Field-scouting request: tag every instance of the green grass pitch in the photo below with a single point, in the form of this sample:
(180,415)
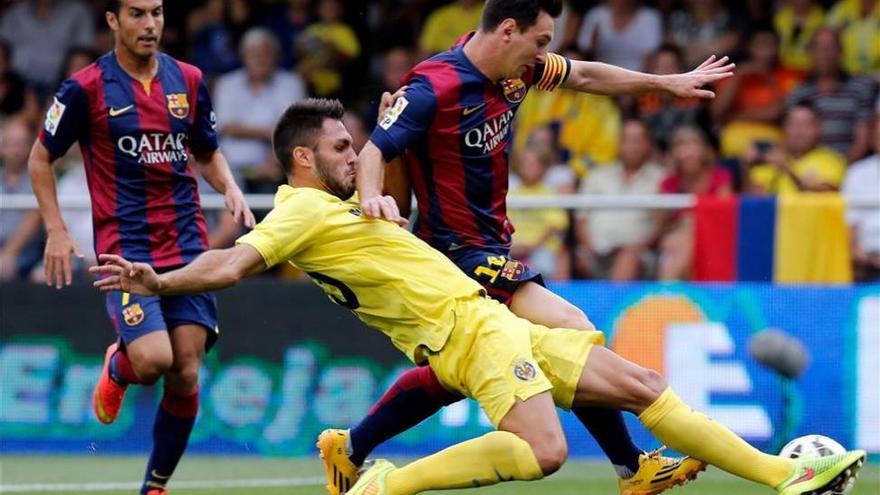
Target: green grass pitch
(269,476)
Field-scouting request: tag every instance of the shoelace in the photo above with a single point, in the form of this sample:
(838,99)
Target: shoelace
(656,454)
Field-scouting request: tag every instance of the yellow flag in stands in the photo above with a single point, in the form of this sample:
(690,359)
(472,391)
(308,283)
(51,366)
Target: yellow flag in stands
(812,240)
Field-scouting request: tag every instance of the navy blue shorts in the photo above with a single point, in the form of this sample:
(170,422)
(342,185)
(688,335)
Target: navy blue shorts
(495,271)
(134,316)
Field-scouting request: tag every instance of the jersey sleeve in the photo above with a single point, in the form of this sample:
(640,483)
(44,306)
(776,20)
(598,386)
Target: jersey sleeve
(833,169)
(552,73)
(284,232)
(203,136)
(67,119)
(407,120)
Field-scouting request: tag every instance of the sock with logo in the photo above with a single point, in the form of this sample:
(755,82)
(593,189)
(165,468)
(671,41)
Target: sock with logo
(609,430)
(695,434)
(413,398)
(121,370)
(174,423)
(492,458)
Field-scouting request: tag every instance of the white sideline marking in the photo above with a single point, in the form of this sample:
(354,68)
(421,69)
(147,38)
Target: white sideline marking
(131,485)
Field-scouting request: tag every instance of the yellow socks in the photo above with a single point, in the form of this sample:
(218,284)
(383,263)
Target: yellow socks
(487,460)
(695,434)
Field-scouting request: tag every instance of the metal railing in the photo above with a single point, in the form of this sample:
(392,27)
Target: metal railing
(565,201)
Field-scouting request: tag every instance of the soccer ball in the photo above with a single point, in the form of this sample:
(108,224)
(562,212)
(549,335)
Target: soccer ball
(811,446)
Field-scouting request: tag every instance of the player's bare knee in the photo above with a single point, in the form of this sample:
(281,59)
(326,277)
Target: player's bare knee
(149,372)
(183,378)
(150,367)
(551,452)
(574,317)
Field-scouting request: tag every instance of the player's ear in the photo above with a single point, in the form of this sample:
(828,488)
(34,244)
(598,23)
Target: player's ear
(112,20)
(508,27)
(303,155)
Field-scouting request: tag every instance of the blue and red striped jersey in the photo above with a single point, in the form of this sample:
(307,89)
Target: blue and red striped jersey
(135,138)
(453,127)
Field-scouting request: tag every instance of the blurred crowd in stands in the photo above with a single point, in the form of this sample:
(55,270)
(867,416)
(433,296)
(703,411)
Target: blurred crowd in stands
(801,113)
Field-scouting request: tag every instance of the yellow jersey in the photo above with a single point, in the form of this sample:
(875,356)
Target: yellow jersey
(446,24)
(817,166)
(794,40)
(588,125)
(532,223)
(389,278)
(859,36)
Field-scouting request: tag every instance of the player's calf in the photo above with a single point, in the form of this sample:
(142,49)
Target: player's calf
(609,380)
(641,387)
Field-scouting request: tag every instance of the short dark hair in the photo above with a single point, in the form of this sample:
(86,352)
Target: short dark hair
(671,48)
(524,12)
(764,27)
(300,124)
(803,105)
(114,6)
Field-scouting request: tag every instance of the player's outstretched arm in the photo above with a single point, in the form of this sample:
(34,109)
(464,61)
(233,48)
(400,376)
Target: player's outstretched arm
(59,245)
(212,270)
(599,78)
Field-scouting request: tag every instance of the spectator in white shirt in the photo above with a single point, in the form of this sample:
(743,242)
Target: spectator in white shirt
(863,180)
(615,244)
(20,247)
(621,32)
(248,102)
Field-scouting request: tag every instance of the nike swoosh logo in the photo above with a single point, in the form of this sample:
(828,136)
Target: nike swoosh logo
(114,111)
(156,475)
(470,110)
(807,476)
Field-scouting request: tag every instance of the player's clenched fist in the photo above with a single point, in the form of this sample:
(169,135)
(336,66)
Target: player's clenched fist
(118,274)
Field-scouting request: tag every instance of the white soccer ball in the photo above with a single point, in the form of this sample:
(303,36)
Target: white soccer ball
(814,446)
(811,446)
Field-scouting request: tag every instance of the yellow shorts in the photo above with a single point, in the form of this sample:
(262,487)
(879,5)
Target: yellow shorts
(495,357)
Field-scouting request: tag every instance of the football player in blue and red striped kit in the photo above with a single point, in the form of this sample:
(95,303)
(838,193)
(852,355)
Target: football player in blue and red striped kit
(452,127)
(137,115)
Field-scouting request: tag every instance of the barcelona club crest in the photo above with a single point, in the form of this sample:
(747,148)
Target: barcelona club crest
(514,90)
(178,106)
(133,314)
(524,370)
(512,270)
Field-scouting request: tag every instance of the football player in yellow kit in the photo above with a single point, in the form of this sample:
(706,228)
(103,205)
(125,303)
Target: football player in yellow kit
(436,315)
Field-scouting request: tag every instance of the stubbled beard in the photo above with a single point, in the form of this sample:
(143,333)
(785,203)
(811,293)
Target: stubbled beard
(333,186)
